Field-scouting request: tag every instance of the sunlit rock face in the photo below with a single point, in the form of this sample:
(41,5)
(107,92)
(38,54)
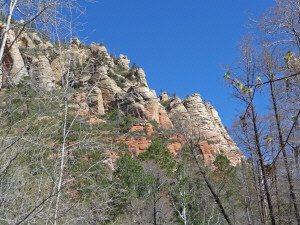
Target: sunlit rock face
(142,102)
(106,83)
(195,116)
(13,66)
(41,72)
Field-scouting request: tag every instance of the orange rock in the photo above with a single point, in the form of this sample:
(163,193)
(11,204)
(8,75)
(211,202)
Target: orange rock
(138,146)
(164,119)
(136,127)
(143,146)
(142,127)
(177,137)
(208,152)
(149,129)
(174,147)
(157,112)
(95,120)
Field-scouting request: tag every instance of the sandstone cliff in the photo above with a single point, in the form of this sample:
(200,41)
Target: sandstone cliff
(203,118)
(105,83)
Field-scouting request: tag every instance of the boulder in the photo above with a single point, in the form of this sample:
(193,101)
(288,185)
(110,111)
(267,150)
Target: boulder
(141,76)
(123,61)
(98,50)
(95,101)
(177,111)
(109,90)
(41,72)
(164,97)
(142,102)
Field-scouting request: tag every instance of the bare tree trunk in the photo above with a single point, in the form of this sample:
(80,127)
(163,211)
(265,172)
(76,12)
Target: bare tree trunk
(61,161)
(154,212)
(65,84)
(12,6)
(276,191)
(286,165)
(191,145)
(261,162)
(4,35)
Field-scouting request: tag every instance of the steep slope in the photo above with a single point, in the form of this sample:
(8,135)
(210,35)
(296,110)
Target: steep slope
(105,83)
(201,116)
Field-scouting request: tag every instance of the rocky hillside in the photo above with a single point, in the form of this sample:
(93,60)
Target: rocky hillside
(104,83)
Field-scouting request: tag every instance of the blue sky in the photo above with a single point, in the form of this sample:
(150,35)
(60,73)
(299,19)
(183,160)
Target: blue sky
(181,45)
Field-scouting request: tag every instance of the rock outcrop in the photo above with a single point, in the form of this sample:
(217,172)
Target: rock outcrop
(106,83)
(193,114)
(142,102)
(164,97)
(41,72)
(124,62)
(13,64)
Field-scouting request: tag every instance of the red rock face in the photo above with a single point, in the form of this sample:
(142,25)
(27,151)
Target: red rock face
(142,127)
(135,146)
(200,119)
(208,149)
(208,152)
(177,145)
(95,120)
(158,113)
(174,147)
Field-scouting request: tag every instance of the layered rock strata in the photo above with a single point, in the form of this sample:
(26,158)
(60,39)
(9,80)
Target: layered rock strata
(198,118)
(106,83)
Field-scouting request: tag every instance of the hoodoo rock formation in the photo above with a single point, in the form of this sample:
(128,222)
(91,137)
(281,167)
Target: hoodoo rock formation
(105,83)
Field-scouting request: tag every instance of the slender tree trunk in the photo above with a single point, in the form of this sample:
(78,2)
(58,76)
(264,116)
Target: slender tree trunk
(216,197)
(286,165)
(260,201)
(276,191)
(261,163)
(4,36)
(62,164)
(65,84)
(261,196)
(12,6)
(154,212)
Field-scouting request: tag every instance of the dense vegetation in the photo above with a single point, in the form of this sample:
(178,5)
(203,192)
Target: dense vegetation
(56,165)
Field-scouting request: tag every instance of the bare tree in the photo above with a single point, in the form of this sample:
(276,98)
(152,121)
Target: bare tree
(192,138)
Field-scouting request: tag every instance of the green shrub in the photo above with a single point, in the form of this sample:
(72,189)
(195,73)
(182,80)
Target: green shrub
(160,153)
(132,176)
(126,123)
(165,104)
(36,42)
(223,164)
(120,81)
(155,124)
(210,142)
(114,115)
